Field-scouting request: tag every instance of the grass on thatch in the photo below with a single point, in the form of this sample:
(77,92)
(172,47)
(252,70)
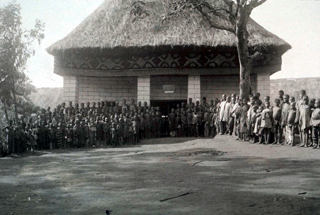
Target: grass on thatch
(111,26)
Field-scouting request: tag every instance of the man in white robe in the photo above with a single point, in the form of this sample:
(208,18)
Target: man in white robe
(225,109)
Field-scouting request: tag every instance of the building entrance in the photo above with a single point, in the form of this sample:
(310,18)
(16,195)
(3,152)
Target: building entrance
(166,105)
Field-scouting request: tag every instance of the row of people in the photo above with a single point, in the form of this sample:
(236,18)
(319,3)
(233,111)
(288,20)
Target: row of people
(114,124)
(106,124)
(257,121)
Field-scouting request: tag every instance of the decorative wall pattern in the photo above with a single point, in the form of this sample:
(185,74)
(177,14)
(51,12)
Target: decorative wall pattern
(182,60)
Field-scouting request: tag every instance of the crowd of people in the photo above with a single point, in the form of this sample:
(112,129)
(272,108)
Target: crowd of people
(258,122)
(109,123)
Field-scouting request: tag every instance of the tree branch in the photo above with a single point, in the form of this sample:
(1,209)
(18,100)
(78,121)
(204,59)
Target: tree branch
(222,15)
(257,3)
(228,2)
(256,56)
(215,10)
(215,25)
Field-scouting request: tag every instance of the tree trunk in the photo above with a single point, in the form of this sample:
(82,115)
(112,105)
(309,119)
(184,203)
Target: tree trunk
(5,111)
(243,52)
(15,102)
(15,108)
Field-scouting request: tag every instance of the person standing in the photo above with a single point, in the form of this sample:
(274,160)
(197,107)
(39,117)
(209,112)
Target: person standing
(171,119)
(189,121)
(315,122)
(266,122)
(9,131)
(177,124)
(132,107)
(304,120)
(147,124)
(76,134)
(92,132)
(289,124)
(284,113)
(206,120)
(277,121)
(243,128)
(142,126)
(298,105)
(184,124)
(224,113)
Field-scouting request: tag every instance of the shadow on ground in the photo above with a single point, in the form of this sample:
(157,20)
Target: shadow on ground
(133,180)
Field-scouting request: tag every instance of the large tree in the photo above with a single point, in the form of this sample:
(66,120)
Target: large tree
(229,15)
(16,47)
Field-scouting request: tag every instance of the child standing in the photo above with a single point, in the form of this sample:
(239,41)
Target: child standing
(284,113)
(277,121)
(212,123)
(178,124)
(125,131)
(290,124)
(236,115)
(135,130)
(266,122)
(257,126)
(195,124)
(120,128)
(304,120)
(315,122)
(113,130)
(171,119)
(254,116)
(184,124)
(206,116)
(92,133)
(243,131)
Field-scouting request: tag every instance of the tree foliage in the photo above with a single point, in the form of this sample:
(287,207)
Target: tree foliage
(16,48)
(229,15)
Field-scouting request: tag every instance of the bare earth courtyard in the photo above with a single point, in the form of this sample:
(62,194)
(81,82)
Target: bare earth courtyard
(219,176)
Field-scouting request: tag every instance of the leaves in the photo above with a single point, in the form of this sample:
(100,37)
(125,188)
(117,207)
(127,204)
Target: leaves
(16,48)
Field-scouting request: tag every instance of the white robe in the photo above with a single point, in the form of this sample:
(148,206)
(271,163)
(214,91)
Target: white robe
(225,109)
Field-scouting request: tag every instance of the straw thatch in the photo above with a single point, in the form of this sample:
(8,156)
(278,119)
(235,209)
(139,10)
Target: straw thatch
(110,26)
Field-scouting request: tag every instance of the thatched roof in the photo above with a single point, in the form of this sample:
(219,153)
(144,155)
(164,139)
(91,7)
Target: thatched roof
(110,26)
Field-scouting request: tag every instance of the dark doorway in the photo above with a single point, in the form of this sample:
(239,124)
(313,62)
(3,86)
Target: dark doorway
(166,105)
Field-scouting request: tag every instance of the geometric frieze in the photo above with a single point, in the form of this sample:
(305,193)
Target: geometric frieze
(171,60)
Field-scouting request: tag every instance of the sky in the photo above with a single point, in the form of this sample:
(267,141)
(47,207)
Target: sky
(295,21)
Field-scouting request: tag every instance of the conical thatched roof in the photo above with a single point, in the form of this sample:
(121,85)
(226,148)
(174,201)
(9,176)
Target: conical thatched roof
(110,26)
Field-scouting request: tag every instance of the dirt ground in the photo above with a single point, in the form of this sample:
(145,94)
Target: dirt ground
(217,176)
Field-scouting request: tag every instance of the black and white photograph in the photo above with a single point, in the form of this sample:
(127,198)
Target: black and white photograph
(158,107)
